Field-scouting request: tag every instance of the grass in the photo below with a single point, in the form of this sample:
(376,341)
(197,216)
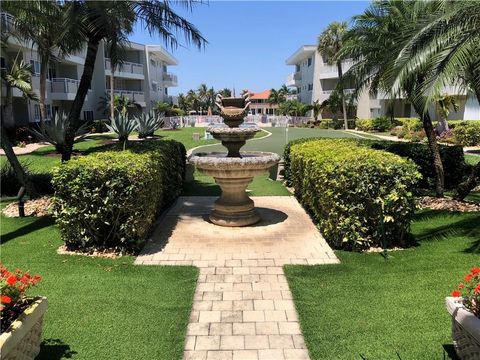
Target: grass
(472,159)
(100,308)
(370,308)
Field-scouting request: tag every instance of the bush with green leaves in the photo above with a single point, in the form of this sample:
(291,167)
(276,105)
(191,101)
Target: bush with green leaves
(381,124)
(360,197)
(110,200)
(54,131)
(147,124)
(122,125)
(9,184)
(467,133)
(364,124)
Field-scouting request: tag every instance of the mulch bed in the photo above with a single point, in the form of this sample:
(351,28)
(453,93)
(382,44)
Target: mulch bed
(109,254)
(36,207)
(446,203)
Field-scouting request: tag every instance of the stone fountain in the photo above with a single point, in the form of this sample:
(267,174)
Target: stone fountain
(235,170)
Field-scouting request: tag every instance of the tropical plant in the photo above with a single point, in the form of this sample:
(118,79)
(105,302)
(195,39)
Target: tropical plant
(334,103)
(330,43)
(193,101)
(17,75)
(226,92)
(444,103)
(53,132)
(285,91)
(121,104)
(316,109)
(123,126)
(374,42)
(276,97)
(294,108)
(147,124)
(115,20)
(33,24)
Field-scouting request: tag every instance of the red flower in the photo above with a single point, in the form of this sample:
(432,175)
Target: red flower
(461,286)
(468,277)
(475,270)
(477,289)
(12,280)
(4,299)
(456,293)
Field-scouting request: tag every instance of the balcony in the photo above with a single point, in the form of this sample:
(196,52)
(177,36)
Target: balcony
(126,69)
(135,96)
(294,79)
(6,21)
(169,80)
(325,94)
(64,88)
(331,71)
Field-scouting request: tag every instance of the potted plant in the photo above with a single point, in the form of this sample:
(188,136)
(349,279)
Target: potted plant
(21,316)
(464,306)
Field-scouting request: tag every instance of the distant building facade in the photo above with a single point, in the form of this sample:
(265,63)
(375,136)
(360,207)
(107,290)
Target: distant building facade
(259,104)
(315,80)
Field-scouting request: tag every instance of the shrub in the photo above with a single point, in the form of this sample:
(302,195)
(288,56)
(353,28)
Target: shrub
(111,199)
(469,291)
(382,123)
(365,124)
(9,184)
(55,131)
(453,159)
(147,124)
(123,126)
(467,133)
(99,126)
(409,124)
(360,197)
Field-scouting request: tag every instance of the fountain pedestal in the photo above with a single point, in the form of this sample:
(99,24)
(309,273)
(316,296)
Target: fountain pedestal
(235,170)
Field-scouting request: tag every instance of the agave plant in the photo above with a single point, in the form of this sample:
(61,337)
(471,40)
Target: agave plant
(54,131)
(122,125)
(147,124)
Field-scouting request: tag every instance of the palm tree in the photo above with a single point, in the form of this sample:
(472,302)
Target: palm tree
(316,108)
(183,103)
(444,103)
(193,100)
(225,92)
(276,97)
(107,20)
(202,93)
(375,42)
(121,105)
(17,75)
(34,23)
(330,43)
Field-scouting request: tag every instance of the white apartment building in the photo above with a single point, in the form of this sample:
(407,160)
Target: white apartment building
(143,77)
(315,80)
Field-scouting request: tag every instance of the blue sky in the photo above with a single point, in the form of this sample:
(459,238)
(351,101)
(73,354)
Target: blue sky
(250,40)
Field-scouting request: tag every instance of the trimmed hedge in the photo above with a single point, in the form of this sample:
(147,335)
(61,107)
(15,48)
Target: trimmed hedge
(110,200)
(360,197)
(453,160)
(467,133)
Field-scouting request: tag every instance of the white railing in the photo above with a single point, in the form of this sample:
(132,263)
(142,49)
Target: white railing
(208,120)
(345,91)
(126,67)
(64,85)
(326,68)
(6,21)
(170,78)
(138,96)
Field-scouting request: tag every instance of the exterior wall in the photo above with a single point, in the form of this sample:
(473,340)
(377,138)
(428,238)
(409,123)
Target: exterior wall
(135,79)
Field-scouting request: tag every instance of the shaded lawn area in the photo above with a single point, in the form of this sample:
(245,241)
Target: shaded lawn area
(100,308)
(369,308)
(472,159)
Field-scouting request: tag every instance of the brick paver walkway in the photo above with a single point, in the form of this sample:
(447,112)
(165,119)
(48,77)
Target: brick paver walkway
(243,308)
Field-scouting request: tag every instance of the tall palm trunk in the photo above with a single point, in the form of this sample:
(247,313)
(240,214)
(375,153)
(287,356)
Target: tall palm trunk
(435,151)
(112,93)
(75,110)
(43,89)
(342,95)
(7,118)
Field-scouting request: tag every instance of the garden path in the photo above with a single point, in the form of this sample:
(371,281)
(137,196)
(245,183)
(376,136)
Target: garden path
(243,308)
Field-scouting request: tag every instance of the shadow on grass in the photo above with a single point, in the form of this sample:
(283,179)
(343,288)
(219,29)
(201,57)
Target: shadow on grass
(200,188)
(55,349)
(449,352)
(38,224)
(450,223)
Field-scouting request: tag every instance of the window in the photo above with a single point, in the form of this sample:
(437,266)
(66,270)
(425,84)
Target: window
(153,63)
(310,87)
(164,68)
(52,73)
(154,86)
(49,112)
(166,91)
(3,64)
(36,112)
(88,115)
(297,68)
(35,66)
(309,62)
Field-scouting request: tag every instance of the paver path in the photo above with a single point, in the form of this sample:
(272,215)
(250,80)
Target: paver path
(243,308)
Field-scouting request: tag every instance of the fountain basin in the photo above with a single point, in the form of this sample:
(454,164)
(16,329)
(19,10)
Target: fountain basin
(233,175)
(233,138)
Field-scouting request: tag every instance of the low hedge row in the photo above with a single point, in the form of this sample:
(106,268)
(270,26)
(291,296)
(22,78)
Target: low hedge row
(453,160)
(110,200)
(467,133)
(360,197)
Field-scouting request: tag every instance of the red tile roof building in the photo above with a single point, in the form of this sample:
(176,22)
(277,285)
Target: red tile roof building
(260,105)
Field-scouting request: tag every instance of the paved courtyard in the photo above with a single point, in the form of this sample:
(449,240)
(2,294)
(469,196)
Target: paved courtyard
(243,308)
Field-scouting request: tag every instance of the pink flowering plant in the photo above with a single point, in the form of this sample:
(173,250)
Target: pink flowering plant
(469,291)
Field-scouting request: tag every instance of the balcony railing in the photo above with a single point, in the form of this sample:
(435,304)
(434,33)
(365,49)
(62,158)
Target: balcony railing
(345,91)
(169,78)
(137,96)
(326,68)
(125,67)
(64,85)
(294,79)
(6,21)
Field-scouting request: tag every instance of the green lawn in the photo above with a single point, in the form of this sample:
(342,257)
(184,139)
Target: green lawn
(100,308)
(472,159)
(370,308)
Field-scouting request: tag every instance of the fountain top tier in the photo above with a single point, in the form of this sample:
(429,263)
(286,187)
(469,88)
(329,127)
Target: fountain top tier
(233,111)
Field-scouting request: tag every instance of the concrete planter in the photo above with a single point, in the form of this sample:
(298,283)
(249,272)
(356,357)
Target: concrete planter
(465,330)
(23,340)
